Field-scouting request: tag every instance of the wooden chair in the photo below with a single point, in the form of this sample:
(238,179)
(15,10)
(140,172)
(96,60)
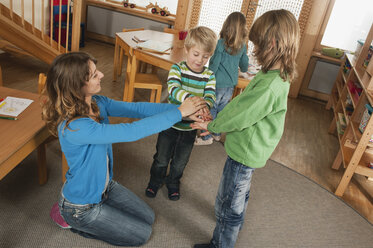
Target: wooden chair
(41,91)
(140,80)
(125,50)
(241,85)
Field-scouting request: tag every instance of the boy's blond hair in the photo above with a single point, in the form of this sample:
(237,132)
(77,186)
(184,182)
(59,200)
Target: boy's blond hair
(275,35)
(202,37)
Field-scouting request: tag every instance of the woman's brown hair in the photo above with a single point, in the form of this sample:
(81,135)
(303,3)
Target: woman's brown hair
(234,32)
(66,77)
(275,35)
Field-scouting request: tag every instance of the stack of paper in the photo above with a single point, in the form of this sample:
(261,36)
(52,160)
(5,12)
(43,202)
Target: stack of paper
(13,106)
(158,46)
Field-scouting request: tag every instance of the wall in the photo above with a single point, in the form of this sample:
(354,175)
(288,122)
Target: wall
(108,22)
(323,77)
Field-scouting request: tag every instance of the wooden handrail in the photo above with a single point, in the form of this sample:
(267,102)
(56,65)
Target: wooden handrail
(58,25)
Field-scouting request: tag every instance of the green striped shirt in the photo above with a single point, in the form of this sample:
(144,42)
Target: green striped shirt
(183,83)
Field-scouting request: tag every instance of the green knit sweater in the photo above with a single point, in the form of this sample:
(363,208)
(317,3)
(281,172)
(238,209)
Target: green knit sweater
(254,121)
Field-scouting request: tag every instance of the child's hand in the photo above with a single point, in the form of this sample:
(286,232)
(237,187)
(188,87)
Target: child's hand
(206,115)
(202,126)
(191,105)
(203,114)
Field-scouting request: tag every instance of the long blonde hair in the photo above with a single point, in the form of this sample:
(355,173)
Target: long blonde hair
(68,74)
(234,32)
(275,35)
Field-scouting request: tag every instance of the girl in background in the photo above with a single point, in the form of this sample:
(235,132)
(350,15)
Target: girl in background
(230,54)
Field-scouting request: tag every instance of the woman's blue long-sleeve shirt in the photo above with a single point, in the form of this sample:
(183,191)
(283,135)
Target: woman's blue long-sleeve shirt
(225,66)
(87,144)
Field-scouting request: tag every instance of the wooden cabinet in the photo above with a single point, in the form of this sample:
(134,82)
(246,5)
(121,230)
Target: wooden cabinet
(351,99)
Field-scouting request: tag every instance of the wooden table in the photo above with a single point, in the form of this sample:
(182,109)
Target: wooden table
(124,40)
(21,137)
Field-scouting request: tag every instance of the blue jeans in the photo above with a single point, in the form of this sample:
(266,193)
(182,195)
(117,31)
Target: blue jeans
(223,96)
(175,146)
(121,218)
(231,203)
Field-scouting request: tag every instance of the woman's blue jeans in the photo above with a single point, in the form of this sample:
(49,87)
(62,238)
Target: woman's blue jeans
(223,96)
(231,203)
(121,218)
(175,146)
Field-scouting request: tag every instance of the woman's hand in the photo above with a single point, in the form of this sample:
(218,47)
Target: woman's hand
(191,105)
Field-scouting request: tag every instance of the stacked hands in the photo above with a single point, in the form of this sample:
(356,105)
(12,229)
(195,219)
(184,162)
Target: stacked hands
(195,109)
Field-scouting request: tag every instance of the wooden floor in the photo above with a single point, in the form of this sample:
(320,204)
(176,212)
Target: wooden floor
(306,146)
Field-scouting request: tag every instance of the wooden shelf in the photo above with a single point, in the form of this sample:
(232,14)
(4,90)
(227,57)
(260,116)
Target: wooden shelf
(327,58)
(170,20)
(355,147)
(344,77)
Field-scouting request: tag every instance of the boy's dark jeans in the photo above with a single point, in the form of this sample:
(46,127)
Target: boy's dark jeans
(175,146)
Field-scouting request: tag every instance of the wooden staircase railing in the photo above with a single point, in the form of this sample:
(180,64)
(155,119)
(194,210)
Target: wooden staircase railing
(26,36)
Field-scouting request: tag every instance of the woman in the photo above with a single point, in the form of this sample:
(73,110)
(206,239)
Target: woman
(93,204)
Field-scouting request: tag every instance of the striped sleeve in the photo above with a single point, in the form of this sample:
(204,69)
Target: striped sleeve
(209,93)
(176,93)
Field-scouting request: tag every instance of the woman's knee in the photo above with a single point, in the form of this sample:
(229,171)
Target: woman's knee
(136,238)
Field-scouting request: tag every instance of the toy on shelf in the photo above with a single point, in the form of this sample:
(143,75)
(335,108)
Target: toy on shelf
(332,52)
(126,4)
(155,9)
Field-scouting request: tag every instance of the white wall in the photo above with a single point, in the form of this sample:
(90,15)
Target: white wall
(108,22)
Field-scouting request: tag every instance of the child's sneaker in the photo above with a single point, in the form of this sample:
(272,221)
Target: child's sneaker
(216,137)
(151,191)
(173,194)
(57,218)
(200,142)
(202,246)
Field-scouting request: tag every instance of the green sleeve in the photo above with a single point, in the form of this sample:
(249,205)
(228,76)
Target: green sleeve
(244,110)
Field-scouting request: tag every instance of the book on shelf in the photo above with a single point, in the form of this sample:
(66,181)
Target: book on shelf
(340,129)
(342,120)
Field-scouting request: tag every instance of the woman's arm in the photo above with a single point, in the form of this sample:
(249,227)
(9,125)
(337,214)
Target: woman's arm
(132,109)
(88,131)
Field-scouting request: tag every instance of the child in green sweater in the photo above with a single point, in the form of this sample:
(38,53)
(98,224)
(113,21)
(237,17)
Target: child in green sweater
(254,121)
(230,54)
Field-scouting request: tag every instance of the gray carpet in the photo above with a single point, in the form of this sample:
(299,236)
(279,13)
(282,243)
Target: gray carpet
(285,209)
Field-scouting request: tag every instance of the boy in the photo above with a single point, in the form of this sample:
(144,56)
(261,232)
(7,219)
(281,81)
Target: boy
(185,79)
(254,121)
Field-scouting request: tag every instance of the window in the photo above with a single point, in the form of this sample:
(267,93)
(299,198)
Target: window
(214,13)
(348,22)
